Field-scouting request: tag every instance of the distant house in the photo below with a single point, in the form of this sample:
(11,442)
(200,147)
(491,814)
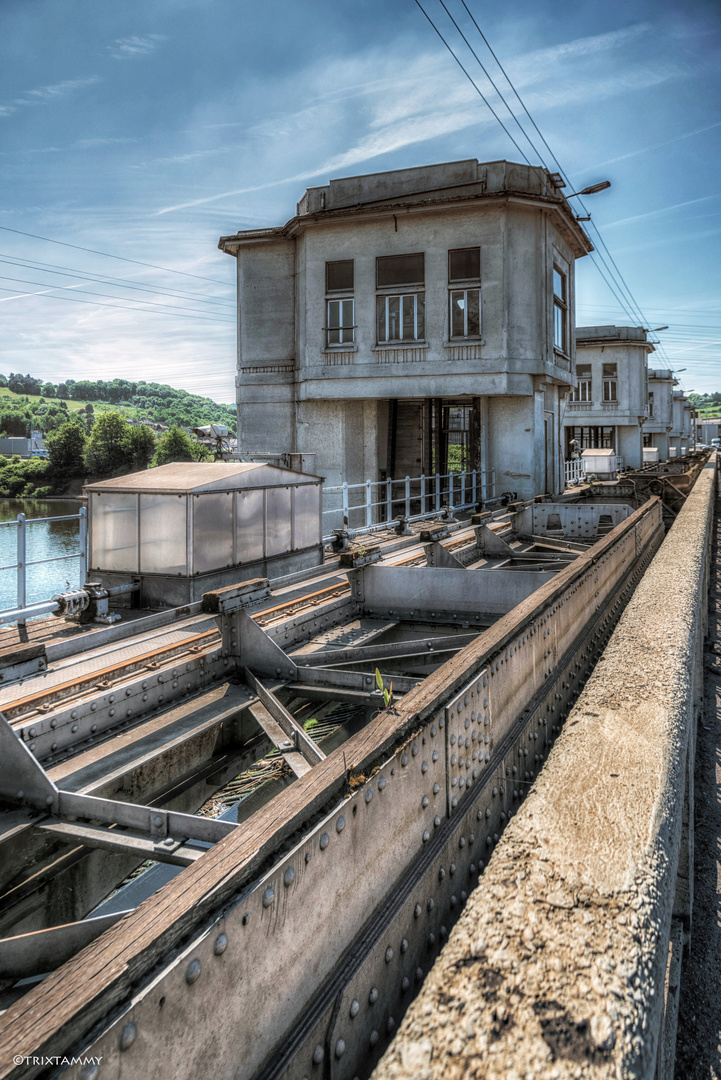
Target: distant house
(413,322)
(609,405)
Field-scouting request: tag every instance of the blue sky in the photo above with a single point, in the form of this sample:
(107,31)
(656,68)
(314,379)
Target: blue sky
(146,129)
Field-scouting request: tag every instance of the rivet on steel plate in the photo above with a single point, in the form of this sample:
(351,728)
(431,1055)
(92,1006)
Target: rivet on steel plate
(424,801)
(340,824)
(417,911)
(441,874)
(479,815)
(424,767)
(340,1048)
(426,836)
(472,869)
(441,723)
(405,984)
(444,930)
(374,1037)
(382,783)
(390,1024)
(430,904)
(128,1036)
(464,897)
(324,841)
(192,971)
(373,996)
(389,954)
(74,728)
(431,939)
(268,897)
(436,821)
(414,749)
(462,842)
(368,795)
(404,760)
(404,945)
(221,944)
(318,1055)
(419,974)
(289,877)
(452,869)
(433,730)
(436,789)
(93,728)
(89,1071)
(354,1009)
(94,706)
(454,802)
(157,821)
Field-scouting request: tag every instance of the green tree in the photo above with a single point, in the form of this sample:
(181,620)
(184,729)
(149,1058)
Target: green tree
(175,445)
(48,390)
(141,445)
(65,450)
(106,451)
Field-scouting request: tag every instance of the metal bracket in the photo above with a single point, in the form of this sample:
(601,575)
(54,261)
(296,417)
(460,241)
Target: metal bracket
(490,544)
(301,740)
(437,555)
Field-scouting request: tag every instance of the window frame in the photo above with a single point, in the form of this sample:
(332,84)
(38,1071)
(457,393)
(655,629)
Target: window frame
(584,390)
(384,298)
(341,298)
(465,285)
(609,385)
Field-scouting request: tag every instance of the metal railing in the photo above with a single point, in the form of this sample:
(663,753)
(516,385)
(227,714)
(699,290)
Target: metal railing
(23,611)
(365,506)
(574,471)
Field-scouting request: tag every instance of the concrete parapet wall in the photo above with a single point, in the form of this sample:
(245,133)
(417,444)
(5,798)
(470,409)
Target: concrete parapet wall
(558,965)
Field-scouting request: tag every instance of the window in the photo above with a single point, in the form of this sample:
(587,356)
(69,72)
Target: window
(650,403)
(583,390)
(400,315)
(591,438)
(340,306)
(464,266)
(560,310)
(609,382)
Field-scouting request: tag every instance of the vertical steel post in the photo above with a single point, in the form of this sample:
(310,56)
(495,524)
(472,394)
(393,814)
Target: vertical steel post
(438,492)
(83,540)
(389,500)
(408,496)
(423,493)
(474,487)
(369,503)
(450,492)
(463,487)
(344,496)
(21,570)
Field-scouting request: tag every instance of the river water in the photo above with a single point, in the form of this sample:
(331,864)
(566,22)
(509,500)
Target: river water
(44,540)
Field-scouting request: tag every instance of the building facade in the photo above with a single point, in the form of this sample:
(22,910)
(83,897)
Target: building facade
(659,425)
(609,405)
(413,322)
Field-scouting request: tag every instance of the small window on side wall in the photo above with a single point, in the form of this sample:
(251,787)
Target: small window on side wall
(339,276)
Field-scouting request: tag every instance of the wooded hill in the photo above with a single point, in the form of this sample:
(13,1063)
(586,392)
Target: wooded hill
(26,401)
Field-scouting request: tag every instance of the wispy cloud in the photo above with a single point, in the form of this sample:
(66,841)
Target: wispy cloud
(653,146)
(44,95)
(415,101)
(127,47)
(661,211)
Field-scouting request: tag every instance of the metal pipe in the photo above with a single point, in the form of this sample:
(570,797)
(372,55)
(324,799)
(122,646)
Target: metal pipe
(19,615)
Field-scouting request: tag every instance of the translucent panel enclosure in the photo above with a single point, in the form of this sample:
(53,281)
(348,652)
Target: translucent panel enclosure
(212,531)
(250,525)
(306,515)
(277,520)
(114,533)
(163,534)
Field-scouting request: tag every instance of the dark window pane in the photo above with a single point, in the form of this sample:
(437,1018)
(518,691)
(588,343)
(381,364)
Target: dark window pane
(457,313)
(609,371)
(583,371)
(559,284)
(474,314)
(559,328)
(339,275)
(421,315)
(400,270)
(394,317)
(464,264)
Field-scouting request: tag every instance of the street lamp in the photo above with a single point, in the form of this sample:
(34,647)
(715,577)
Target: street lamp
(592,189)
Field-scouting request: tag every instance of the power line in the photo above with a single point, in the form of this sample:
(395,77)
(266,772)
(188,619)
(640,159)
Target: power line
(156,290)
(107,255)
(119,307)
(473,83)
(626,300)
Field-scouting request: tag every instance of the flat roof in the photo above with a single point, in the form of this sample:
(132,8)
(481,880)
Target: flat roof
(191,477)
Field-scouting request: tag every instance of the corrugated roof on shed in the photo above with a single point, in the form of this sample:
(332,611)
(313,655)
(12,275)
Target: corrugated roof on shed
(193,477)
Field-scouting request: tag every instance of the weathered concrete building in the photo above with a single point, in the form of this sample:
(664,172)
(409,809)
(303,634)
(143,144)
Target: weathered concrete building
(413,322)
(670,416)
(609,404)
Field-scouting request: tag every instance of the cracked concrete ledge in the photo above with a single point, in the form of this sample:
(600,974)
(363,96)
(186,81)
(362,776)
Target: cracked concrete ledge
(556,967)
